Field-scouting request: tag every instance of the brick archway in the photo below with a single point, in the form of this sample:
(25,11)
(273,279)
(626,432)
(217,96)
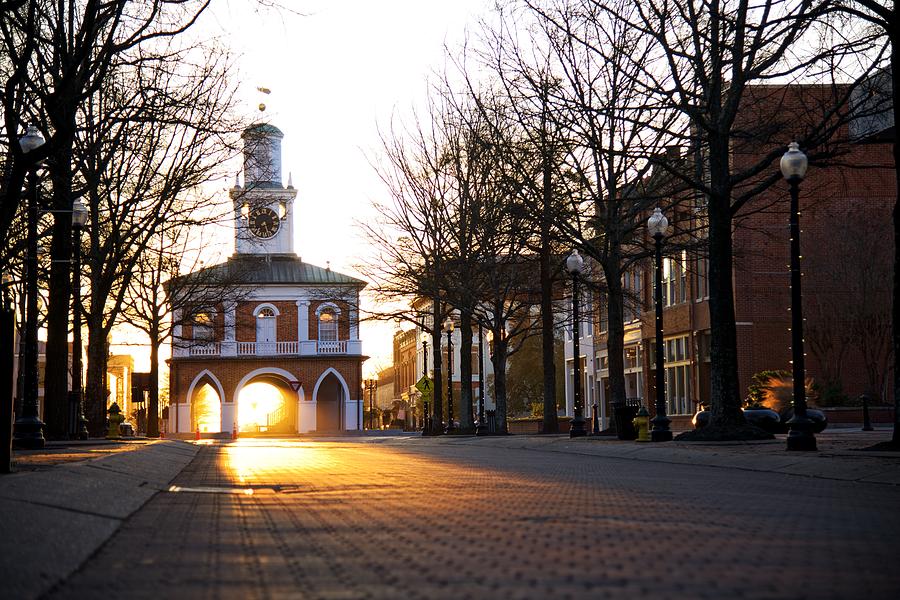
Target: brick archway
(286,421)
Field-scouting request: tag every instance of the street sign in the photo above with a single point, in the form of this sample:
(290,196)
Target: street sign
(425,386)
(295,385)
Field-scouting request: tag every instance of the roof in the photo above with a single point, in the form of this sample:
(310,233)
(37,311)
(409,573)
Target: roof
(264,269)
(263,128)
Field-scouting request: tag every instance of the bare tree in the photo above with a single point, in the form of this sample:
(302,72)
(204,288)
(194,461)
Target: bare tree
(60,53)
(703,61)
(170,288)
(152,136)
(885,16)
(413,237)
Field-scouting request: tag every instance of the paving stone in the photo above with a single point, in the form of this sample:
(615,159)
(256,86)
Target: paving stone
(507,519)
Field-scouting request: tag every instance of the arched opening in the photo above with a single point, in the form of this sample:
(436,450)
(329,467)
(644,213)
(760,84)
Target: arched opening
(329,398)
(206,409)
(267,405)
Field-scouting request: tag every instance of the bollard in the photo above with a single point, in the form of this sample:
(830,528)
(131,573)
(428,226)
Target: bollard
(234,432)
(867,423)
(197,433)
(595,420)
(642,424)
(115,419)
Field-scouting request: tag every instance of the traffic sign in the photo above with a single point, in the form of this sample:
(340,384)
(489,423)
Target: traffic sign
(425,385)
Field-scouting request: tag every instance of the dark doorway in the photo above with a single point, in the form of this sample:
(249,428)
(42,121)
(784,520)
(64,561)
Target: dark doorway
(328,404)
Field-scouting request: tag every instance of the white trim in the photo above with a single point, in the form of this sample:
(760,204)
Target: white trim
(215,380)
(287,375)
(325,305)
(260,307)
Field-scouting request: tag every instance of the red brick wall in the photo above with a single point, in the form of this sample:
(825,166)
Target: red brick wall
(229,372)
(285,322)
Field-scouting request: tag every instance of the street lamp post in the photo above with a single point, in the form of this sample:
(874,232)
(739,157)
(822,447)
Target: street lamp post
(482,426)
(574,264)
(448,328)
(800,436)
(78,422)
(426,429)
(28,428)
(373,385)
(658,227)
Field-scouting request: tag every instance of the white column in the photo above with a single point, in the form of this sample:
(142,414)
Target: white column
(229,346)
(354,324)
(302,320)
(229,417)
(306,416)
(184,418)
(351,414)
(177,349)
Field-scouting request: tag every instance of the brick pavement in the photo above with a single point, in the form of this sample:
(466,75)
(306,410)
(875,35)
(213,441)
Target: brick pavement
(419,518)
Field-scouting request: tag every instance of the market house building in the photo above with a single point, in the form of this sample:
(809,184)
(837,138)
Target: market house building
(279,352)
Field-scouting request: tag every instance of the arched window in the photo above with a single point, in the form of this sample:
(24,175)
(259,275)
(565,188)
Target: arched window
(328,326)
(203,326)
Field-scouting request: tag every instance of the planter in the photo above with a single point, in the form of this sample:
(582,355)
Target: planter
(766,419)
(769,420)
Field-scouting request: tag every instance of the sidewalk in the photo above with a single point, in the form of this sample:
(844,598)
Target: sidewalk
(66,500)
(839,457)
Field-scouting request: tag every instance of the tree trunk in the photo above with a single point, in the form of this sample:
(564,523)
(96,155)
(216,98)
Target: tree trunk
(615,335)
(548,360)
(153,391)
(95,385)
(725,401)
(56,365)
(895,309)
(437,409)
(466,416)
(498,359)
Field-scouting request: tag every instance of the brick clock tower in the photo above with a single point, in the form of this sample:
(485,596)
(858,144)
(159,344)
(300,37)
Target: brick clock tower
(279,352)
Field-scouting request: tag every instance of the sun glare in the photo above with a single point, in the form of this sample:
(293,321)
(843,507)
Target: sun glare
(207,410)
(257,405)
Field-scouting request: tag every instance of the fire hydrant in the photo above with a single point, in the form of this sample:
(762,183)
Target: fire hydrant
(642,424)
(115,419)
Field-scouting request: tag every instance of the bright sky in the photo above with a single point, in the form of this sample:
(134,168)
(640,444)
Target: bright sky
(338,72)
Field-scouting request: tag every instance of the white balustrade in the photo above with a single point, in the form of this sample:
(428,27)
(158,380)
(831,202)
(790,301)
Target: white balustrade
(304,348)
(210,349)
(332,347)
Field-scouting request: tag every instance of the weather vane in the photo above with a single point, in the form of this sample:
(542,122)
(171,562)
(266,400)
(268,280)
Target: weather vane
(266,91)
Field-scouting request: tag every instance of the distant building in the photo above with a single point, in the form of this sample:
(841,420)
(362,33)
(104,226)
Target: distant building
(283,322)
(119,373)
(410,360)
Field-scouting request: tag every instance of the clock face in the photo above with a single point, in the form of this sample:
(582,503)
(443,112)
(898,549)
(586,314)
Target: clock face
(263,223)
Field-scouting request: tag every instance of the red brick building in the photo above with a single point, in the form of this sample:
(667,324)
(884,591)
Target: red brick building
(280,353)
(846,247)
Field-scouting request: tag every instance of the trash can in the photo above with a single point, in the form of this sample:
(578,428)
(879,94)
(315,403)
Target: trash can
(624,413)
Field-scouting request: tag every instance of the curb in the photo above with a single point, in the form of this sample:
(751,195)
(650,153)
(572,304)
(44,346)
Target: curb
(863,467)
(54,519)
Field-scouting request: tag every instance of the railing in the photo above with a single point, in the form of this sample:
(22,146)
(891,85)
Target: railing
(331,347)
(209,349)
(267,348)
(301,348)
